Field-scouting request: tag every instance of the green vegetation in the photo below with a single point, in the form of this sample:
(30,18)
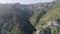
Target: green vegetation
(19,19)
(14,19)
(15,30)
(53,14)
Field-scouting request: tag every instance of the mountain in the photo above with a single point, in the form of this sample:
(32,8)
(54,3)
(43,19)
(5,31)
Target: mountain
(41,12)
(47,20)
(14,18)
(12,15)
(30,18)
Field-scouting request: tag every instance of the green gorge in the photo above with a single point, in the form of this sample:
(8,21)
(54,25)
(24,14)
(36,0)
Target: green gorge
(38,18)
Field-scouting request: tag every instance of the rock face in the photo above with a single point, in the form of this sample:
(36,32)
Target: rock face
(52,23)
(47,31)
(40,32)
(48,26)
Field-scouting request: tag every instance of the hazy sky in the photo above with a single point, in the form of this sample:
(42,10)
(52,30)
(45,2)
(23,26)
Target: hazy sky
(24,1)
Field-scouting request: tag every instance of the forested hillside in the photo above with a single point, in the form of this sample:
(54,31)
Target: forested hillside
(48,19)
(39,18)
(14,18)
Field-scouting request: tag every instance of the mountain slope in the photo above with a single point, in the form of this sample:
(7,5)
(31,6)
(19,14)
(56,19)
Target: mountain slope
(12,16)
(40,13)
(53,14)
(44,19)
(24,19)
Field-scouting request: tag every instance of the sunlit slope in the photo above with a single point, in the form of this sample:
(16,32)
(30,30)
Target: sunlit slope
(51,15)
(40,13)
